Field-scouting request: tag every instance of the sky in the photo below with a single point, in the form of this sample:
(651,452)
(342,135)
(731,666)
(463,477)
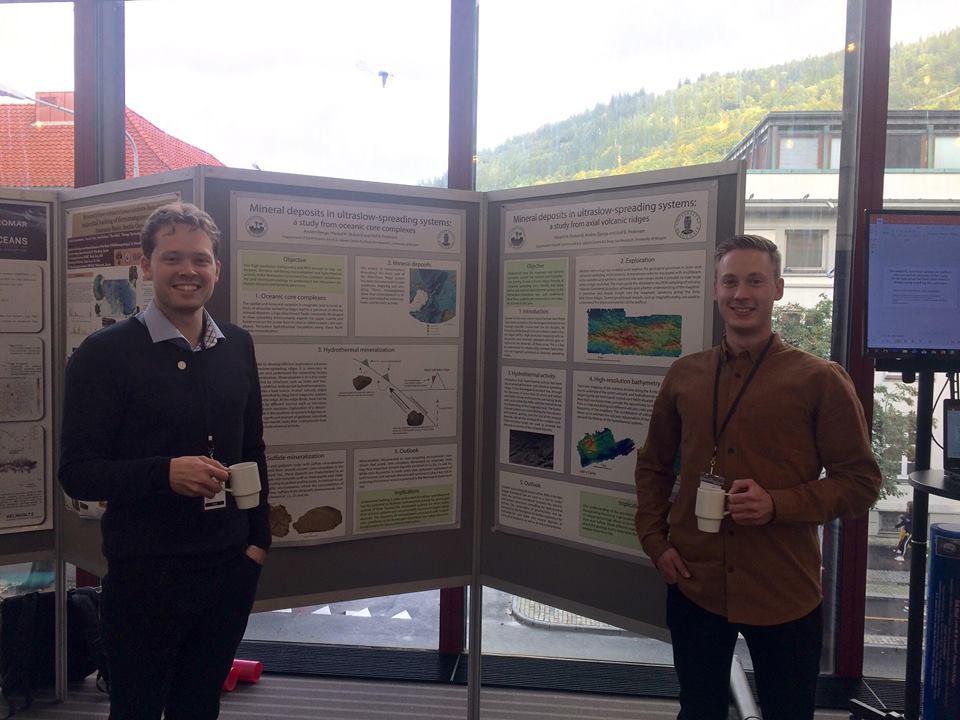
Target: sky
(293,86)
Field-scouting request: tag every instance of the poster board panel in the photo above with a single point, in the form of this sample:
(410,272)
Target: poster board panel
(592,290)
(27,388)
(362,299)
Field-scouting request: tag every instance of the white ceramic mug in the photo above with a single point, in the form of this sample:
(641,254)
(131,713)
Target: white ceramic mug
(245,484)
(710,507)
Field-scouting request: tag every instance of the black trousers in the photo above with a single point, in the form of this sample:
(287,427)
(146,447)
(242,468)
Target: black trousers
(786,661)
(171,630)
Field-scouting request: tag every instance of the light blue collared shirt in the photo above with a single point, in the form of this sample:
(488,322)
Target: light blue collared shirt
(161,329)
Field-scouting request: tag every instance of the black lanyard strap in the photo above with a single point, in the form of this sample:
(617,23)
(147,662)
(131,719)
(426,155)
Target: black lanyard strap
(736,400)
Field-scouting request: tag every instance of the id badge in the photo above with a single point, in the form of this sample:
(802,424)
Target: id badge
(707,478)
(217,502)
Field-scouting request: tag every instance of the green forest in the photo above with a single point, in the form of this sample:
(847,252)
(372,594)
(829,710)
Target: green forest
(701,120)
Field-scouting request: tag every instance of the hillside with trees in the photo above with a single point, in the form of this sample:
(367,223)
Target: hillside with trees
(700,121)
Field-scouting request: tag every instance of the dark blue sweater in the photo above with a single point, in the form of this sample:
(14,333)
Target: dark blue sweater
(129,407)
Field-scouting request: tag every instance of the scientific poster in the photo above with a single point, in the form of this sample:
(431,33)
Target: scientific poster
(406,297)
(642,309)
(359,312)
(295,294)
(600,294)
(534,309)
(358,393)
(25,368)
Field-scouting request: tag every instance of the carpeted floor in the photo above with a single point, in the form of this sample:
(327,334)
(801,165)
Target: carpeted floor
(287,697)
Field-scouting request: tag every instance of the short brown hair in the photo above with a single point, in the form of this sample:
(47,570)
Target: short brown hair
(750,242)
(178,213)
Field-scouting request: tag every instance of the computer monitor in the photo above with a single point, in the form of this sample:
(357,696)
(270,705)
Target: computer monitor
(951,438)
(913,289)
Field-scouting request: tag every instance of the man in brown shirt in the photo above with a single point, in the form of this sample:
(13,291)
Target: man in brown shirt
(765,418)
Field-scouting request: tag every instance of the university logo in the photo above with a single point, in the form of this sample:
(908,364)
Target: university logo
(445,239)
(687,224)
(256,225)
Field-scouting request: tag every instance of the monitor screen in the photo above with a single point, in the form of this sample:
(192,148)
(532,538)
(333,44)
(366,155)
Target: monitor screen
(913,287)
(951,436)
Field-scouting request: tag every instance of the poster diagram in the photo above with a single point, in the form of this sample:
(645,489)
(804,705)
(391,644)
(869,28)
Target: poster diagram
(400,297)
(357,393)
(307,496)
(611,331)
(433,295)
(642,310)
(22,494)
(21,378)
(611,414)
(532,417)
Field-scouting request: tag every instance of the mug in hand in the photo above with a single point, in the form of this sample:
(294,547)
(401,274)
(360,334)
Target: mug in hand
(710,507)
(245,484)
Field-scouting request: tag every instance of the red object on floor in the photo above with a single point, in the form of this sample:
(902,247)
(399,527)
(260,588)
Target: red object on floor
(249,670)
(86,579)
(231,682)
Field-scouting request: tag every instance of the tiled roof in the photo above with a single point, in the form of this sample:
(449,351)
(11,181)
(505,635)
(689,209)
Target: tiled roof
(40,154)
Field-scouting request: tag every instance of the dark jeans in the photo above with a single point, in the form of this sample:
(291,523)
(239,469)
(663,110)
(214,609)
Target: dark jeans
(786,661)
(171,631)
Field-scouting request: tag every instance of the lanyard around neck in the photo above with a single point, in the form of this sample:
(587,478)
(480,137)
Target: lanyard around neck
(736,400)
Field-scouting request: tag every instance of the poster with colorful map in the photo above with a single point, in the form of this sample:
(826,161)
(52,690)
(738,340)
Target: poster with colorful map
(644,309)
(406,297)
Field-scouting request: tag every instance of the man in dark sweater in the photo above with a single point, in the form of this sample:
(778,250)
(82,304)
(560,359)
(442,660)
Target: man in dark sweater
(155,410)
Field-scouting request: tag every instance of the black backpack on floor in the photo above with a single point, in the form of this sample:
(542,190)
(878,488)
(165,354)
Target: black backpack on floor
(27,635)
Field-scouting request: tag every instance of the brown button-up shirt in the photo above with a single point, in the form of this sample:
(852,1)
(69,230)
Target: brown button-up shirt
(799,414)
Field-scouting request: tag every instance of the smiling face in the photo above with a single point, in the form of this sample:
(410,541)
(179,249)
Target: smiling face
(184,272)
(745,289)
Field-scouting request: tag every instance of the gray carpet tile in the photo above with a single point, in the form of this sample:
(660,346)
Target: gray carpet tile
(285,697)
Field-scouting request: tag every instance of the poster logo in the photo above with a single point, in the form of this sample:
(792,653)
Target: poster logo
(23,232)
(516,236)
(256,225)
(445,239)
(687,224)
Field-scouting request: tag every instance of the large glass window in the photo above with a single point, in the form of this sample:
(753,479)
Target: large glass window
(351,90)
(922,93)
(623,89)
(36,138)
